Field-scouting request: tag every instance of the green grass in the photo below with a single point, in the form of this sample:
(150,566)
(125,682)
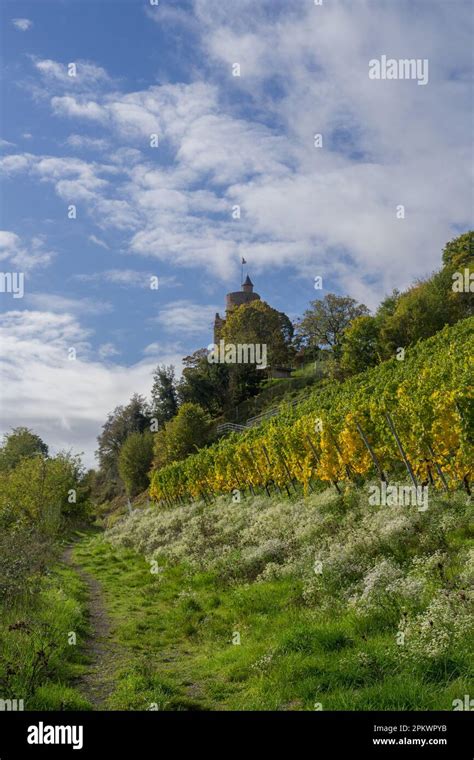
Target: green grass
(178,627)
(38,664)
(236,618)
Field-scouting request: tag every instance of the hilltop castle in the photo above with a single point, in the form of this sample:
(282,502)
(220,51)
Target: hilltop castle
(237,298)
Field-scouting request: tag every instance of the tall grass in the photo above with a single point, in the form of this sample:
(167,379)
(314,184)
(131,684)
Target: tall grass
(40,644)
(337,604)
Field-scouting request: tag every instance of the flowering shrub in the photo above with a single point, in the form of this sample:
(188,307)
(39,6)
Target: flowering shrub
(445,626)
(391,562)
(376,586)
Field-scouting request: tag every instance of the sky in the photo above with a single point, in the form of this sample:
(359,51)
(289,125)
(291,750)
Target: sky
(131,131)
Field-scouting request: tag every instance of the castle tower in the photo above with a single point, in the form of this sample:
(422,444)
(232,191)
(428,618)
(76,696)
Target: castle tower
(236,298)
(240,297)
(247,286)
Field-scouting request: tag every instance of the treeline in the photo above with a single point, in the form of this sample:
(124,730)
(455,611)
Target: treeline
(342,334)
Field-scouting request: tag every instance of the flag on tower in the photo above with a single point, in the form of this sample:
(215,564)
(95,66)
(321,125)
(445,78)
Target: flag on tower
(243,260)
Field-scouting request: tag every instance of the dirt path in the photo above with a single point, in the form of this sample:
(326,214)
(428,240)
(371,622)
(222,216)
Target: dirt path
(97,684)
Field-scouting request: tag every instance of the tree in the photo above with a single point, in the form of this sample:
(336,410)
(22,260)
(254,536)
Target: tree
(430,304)
(190,430)
(458,258)
(324,324)
(420,312)
(256,324)
(43,489)
(20,443)
(163,394)
(204,383)
(124,420)
(360,345)
(134,462)
(459,252)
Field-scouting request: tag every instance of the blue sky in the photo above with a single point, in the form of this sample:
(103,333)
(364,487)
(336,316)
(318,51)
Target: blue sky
(224,140)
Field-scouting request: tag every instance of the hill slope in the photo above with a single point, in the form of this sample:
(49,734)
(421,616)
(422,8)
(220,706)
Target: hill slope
(342,432)
(323,602)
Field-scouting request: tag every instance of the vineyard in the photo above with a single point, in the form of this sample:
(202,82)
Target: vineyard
(412,415)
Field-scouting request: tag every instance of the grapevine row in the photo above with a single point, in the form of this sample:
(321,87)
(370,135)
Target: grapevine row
(414,414)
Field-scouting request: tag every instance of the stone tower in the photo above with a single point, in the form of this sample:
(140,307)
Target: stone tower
(237,298)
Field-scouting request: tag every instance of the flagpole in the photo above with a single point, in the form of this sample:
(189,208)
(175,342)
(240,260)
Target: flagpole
(242,275)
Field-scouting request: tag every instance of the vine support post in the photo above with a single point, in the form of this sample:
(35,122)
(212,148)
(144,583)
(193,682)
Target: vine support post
(280,454)
(372,453)
(313,449)
(401,449)
(438,468)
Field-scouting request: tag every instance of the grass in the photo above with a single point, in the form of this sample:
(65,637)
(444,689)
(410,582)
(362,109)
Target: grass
(196,641)
(219,608)
(38,659)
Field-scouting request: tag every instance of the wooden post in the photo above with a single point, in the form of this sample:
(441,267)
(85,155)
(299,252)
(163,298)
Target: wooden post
(286,469)
(438,468)
(401,450)
(261,477)
(312,449)
(264,449)
(372,453)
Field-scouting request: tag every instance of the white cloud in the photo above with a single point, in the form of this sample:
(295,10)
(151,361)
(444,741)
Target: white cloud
(22,24)
(304,70)
(129,278)
(187,318)
(107,350)
(163,348)
(99,242)
(79,74)
(84,142)
(57,303)
(166,15)
(85,109)
(24,256)
(66,402)
(16,163)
